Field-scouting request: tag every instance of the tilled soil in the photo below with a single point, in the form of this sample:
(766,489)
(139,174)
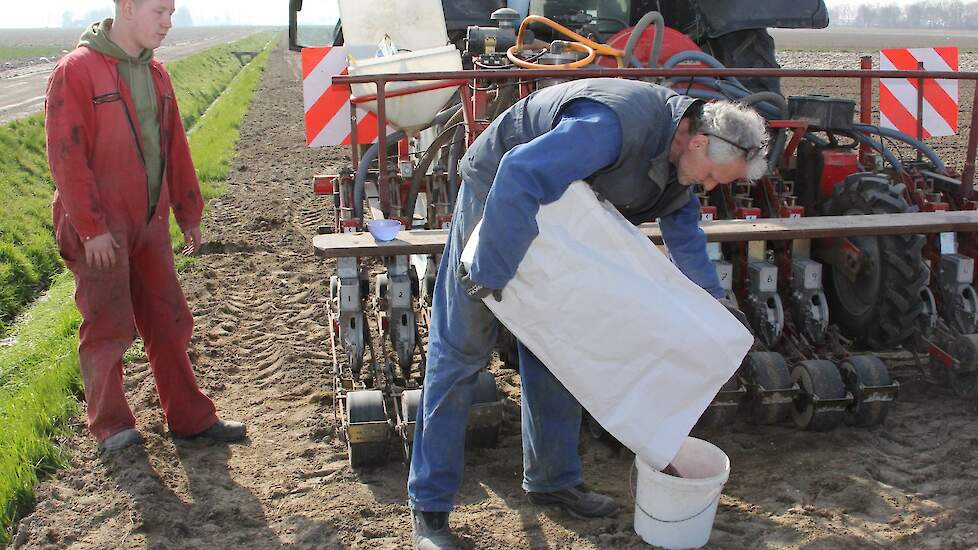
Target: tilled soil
(261,351)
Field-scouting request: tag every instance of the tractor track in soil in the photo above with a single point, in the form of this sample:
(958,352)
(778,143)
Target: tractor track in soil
(261,351)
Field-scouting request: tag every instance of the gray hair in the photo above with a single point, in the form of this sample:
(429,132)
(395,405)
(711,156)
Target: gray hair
(740,129)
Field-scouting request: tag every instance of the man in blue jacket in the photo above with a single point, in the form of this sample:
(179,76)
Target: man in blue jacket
(641,147)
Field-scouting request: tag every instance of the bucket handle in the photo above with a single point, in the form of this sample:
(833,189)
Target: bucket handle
(638,505)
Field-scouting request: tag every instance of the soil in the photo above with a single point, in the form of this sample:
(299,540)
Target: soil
(261,352)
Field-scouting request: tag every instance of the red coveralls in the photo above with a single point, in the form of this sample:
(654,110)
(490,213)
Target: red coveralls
(95,154)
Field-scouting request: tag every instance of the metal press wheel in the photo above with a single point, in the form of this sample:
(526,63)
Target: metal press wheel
(410,403)
(862,371)
(485,393)
(363,407)
(818,380)
(766,371)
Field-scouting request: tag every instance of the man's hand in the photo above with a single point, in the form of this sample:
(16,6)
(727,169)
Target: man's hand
(100,251)
(473,289)
(191,239)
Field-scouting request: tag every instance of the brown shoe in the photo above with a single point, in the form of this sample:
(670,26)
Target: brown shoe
(225,430)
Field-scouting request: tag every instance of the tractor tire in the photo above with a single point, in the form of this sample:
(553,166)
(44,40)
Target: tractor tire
(882,308)
(750,49)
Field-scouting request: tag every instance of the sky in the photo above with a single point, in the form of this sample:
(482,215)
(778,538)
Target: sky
(48,13)
(19,14)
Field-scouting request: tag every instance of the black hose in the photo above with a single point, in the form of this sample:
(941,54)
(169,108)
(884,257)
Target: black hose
(454,155)
(363,169)
(425,162)
(781,136)
(931,154)
(861,137)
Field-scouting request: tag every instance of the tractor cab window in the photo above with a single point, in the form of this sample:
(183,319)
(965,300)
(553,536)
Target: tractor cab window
(601,18)
(312,24)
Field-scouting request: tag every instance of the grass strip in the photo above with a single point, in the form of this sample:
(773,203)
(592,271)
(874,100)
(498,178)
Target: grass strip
(39,380)
(21,52)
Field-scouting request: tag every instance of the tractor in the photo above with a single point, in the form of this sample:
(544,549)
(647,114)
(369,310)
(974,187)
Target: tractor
(856,266)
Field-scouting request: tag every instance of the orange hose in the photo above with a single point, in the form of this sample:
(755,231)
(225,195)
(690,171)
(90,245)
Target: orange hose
(591,54)
(599,49)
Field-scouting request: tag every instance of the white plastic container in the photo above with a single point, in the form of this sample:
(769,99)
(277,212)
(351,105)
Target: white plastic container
(678,512)
(413,25)
(412,111)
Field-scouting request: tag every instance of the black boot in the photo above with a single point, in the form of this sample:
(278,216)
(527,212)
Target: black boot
(431,531)
(580,501)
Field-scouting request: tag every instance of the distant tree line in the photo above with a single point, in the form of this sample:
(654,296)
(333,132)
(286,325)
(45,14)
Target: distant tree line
(928,14)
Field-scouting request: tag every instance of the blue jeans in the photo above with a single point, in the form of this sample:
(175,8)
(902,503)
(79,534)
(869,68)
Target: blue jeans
(460,340)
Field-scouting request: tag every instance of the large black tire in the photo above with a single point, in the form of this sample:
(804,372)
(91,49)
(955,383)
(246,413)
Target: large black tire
(881,309)
(506,347)
(750,49)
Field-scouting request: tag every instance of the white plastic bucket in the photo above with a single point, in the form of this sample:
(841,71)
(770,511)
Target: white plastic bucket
(678,512)
(412,111)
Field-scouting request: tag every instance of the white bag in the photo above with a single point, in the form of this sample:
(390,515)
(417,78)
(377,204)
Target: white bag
(640,346)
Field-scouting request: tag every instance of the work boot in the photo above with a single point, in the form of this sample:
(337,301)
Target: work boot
(579,501)
(120,440)
(225,430)
(430,531)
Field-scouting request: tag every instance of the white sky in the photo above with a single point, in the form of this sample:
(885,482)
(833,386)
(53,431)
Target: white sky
(244,12)
(47,13)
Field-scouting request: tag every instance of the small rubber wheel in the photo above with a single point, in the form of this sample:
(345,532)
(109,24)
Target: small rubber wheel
(819,379)
(865,370)
(723,414)
(485,392)
(766,370)
(596,431)
(963,378)
(410,402)
(366,406)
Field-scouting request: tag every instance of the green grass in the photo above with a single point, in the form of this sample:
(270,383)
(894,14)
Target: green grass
(39,380)
(6,54)
(28,254)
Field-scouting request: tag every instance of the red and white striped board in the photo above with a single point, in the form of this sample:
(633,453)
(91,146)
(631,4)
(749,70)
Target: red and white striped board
(898,96)
(327,106)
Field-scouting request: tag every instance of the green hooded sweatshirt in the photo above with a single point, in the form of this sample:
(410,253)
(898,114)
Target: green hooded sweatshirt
(136,72)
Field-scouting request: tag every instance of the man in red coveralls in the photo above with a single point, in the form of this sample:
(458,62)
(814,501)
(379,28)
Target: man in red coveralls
(120,160)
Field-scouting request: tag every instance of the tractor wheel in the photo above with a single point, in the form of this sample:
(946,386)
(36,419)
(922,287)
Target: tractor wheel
(817,380)
(485,435)
(861,371)
(881,308)
(766,372)
(962,378)
(361,407)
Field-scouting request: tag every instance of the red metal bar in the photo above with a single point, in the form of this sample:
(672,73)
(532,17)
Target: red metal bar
(920,107)
(354,145)
(411,90)
(636,73)
(382,184)
(968,175)
(865,103)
